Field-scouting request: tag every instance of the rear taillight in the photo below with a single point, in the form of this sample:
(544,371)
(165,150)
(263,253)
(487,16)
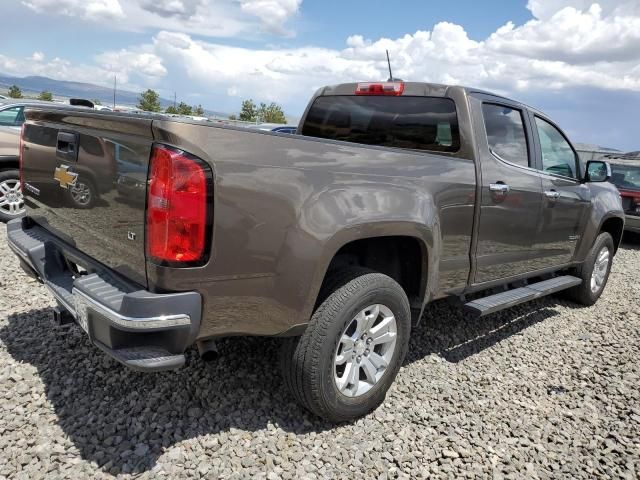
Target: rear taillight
(380,88)
(178,208)
(21,157)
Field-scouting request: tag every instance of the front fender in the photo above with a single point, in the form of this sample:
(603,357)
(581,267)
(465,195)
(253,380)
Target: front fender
(605,204)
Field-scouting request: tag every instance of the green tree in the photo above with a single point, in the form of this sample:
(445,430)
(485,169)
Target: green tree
(184,109)
(95,101)
(15,92)
(271,113)
(249,111)
(233,117)
(46,96)
(198,111)
(172,110)
(149,101)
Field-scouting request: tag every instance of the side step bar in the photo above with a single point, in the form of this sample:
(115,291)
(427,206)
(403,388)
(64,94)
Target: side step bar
(494,303)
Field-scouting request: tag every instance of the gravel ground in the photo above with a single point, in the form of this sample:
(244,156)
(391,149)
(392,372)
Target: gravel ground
(545,390)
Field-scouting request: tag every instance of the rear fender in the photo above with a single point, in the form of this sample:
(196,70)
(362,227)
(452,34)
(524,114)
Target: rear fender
(342,215)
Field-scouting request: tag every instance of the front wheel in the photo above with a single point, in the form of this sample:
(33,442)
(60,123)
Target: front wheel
(594,271)
(346,360)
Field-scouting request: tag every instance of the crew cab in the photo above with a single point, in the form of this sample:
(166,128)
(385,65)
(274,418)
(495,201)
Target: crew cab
(391,195)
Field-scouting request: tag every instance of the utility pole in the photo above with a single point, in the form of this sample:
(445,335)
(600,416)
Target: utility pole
(115,79)
(174,100)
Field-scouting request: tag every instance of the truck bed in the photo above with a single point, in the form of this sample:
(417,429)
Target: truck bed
(280,202)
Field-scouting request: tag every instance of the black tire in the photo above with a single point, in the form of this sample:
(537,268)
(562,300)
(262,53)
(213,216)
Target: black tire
(308,361)
(84,199)
(10,177)
(584,293)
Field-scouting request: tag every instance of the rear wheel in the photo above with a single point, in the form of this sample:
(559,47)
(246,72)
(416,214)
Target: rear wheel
(594,271)
(346,360)
(11,200)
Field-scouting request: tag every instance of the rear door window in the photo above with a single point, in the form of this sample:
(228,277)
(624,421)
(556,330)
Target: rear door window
(626,177)
(418,123)
(12,117)
(505,133)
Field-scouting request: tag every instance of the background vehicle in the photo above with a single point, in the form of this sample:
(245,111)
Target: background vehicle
(83,194)
(285,129)
(274,127)
(626,176)
(391,196)
(11,120)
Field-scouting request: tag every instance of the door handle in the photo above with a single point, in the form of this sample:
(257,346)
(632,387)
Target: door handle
(552,194)
(67,146)
(499,188)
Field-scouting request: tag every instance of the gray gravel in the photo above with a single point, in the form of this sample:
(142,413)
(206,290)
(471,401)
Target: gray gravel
(546,390)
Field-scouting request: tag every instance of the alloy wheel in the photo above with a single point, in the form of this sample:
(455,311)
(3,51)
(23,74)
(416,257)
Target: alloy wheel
(365,350)
(11,199)
(600,268)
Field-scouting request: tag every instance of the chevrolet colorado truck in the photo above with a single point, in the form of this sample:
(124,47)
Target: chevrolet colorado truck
(391,195)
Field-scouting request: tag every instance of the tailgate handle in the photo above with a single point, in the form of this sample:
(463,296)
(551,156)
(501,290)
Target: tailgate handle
(67,146)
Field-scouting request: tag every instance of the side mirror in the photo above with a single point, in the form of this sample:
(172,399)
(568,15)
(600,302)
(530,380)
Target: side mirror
(597,171)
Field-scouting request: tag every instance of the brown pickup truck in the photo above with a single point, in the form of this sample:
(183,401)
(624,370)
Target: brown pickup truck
(390,196)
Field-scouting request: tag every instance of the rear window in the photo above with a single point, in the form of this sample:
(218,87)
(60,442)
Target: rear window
(419,123)
(626,177)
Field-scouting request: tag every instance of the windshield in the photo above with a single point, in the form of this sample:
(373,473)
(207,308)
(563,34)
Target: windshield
(626,176)
(419,123)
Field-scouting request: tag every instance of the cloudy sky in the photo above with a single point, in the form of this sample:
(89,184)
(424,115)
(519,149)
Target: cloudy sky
(577,60)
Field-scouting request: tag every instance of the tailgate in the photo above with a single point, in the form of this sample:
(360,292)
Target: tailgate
(84,177)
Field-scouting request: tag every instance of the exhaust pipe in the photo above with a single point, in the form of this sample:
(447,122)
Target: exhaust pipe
(208,350)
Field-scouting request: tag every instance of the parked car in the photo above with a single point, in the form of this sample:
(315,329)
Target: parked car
(286,129)
(11,119)
(274,127)
(82,194)
(391,196)
(626,176)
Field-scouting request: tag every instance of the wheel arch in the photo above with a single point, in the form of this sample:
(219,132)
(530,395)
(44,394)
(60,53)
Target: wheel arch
(614,226)
(9,163)
(379,246)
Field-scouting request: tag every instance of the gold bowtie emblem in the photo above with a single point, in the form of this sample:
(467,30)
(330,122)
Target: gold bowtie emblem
(65,177)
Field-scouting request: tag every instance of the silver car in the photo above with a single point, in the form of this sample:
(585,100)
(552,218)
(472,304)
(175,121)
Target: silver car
(11,120)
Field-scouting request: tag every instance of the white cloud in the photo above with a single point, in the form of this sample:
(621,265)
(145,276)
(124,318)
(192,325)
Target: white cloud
(572,35)
(90,9)
(596,47)
(212,18)
(134,68)
(143,63)
(57,68)
(545,9)
(272,13)
(569,44)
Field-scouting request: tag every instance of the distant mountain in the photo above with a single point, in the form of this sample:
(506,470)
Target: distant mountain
(34,85)
(589,147)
